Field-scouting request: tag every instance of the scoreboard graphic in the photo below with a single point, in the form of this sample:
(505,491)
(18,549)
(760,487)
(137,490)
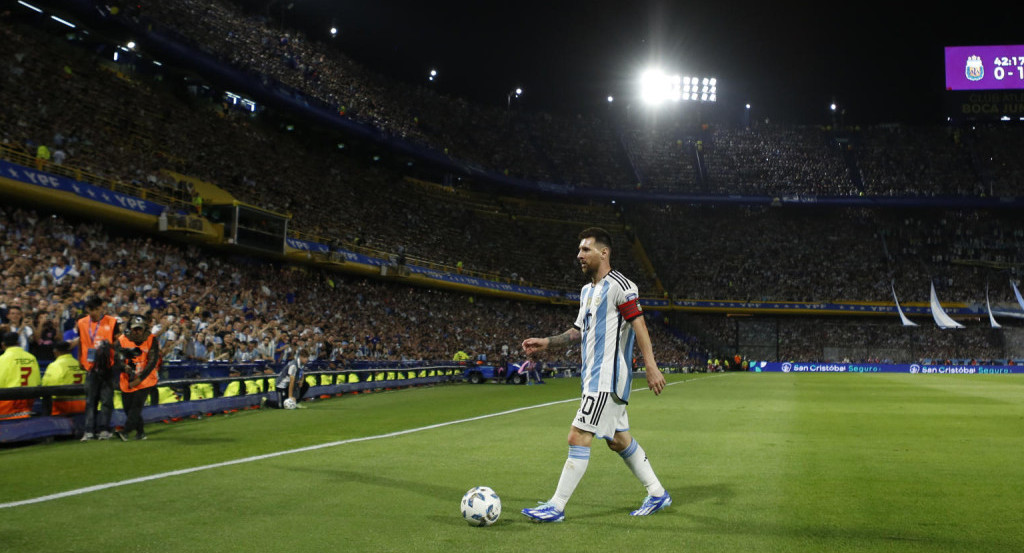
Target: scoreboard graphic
(984,67)
(985,82)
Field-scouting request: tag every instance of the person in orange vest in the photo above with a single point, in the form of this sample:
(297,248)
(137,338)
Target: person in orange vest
(96,334)
(17,368)
(142,361)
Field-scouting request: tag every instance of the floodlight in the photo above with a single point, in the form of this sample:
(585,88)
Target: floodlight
(832,107)
(131,45)
(611,99)
(519,91)
(748,106)
(651,86)
(62,21)
(433,72)
(30,6)
(334,31)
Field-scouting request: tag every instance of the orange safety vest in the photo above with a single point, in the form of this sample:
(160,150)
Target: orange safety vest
(140,363)
(90,333)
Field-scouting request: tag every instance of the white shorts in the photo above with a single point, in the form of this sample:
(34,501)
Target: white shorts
(601,414)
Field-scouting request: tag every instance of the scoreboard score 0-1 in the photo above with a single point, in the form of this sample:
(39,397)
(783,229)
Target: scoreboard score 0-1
(984,67)
(985,83)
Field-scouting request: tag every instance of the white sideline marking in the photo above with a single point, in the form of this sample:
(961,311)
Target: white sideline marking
(162,475)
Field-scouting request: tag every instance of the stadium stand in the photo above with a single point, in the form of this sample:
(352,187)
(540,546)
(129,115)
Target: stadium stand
(136,133)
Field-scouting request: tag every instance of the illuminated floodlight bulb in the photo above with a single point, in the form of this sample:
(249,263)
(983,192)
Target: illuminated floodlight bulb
(703,97)
(748,106)
(693,96)
(62,21)
(714,81)
(686,80)
(30,6)
(652,86)
(705,81)
(611,99)
(713,98)
(832,107)
(519,91)
(131,45)
(433,72)
(334,31)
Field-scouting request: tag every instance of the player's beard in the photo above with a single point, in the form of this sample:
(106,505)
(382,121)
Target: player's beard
(588,270)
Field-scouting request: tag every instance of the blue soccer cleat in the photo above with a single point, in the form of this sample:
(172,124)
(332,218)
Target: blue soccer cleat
(545,512)
(652,505)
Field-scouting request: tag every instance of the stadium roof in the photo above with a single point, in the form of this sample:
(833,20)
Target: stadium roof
(879,61)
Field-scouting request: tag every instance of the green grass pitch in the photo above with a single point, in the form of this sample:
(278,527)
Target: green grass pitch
(754,462)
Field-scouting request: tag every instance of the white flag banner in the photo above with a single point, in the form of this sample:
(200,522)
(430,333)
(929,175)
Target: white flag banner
(903,318)
(1016,292)
(941,318)
(988,304)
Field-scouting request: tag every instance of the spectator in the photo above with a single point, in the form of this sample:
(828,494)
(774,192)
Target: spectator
(18,368)
(65,370)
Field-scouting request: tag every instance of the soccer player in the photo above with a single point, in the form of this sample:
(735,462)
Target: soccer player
(609,321)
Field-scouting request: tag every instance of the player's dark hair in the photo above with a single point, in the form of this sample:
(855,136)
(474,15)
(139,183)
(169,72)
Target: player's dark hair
(61,347)
(599,235)
(10,339)
(93,302)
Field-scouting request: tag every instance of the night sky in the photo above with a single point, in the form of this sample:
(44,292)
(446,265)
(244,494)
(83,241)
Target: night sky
(879,62)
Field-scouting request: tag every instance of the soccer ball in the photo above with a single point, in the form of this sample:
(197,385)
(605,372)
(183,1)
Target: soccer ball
(289,403)
(481,506)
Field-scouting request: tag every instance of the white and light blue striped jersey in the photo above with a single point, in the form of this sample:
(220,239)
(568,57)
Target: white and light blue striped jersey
(606,309)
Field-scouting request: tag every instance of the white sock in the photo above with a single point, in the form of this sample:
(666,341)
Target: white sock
(572,473)
(636,460)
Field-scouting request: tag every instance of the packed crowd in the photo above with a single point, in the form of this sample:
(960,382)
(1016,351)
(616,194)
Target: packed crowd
(540,146)
(213,308)
(597,152)
(821,254)
(776,161)
(334,196)
(131,129)
(480,232)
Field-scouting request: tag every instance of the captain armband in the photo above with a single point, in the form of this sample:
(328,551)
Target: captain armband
(631,309)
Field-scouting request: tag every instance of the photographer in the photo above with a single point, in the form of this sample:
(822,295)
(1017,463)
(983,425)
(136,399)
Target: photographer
(139,375)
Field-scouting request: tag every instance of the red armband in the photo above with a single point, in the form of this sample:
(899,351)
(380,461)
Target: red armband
(630,310)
